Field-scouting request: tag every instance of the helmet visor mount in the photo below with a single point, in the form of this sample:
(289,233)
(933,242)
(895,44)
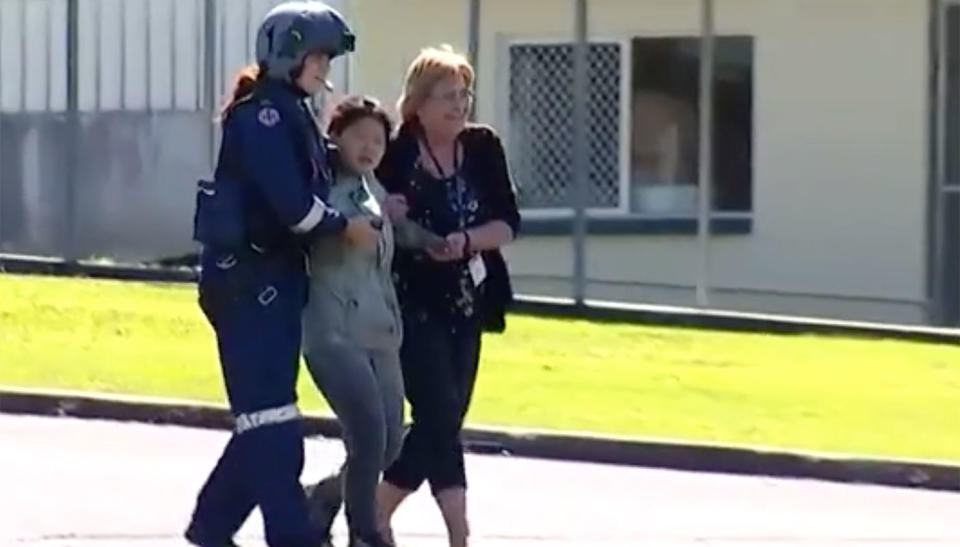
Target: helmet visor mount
(348,44)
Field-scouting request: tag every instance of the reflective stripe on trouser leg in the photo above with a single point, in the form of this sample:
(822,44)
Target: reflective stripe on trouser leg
(270,416)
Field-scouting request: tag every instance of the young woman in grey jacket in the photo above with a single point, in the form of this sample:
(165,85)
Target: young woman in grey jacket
(352,323)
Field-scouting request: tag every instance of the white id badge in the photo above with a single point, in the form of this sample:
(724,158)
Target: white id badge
(478,269)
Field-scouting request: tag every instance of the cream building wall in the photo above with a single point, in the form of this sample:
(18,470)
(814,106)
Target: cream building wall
(840,137)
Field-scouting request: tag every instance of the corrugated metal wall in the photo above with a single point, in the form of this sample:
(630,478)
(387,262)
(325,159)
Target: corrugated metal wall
(113,176)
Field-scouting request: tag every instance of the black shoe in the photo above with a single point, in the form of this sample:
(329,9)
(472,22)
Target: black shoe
(370,541)
(323,504)
(196,537)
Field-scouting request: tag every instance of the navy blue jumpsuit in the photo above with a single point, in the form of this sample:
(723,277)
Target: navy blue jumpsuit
(254,299)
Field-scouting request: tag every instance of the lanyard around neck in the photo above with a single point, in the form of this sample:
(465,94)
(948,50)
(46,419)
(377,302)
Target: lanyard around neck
(457,159)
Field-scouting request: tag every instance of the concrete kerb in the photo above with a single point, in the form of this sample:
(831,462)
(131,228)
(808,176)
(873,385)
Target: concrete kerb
(20,264)
(685,317)
(666,454)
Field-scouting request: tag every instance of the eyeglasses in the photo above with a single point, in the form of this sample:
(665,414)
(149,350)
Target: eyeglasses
(455,96)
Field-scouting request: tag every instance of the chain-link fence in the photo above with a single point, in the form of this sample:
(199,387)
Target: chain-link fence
(107,112)
(105,123)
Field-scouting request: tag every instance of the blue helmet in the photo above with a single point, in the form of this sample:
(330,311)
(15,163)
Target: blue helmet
(292,30)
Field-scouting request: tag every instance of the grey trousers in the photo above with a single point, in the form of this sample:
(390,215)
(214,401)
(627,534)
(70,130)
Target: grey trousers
(365,391)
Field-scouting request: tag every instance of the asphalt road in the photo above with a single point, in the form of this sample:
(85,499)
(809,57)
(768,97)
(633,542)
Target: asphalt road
(68,482)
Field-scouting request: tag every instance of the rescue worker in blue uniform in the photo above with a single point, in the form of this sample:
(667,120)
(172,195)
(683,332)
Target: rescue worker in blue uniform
(255,221)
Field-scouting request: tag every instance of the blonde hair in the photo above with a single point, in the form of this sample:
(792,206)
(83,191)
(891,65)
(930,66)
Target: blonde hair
(431,65)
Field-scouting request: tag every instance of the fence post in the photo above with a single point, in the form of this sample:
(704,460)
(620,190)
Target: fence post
(580,161)
(210,69)
(71,250)
(473,43)
(704,201)
(936,307)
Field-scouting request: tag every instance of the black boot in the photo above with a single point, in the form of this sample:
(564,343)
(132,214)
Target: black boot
(196,537)
(374,540)
(324,500)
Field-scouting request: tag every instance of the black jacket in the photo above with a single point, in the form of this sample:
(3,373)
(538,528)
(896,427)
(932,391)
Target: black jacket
(484,162)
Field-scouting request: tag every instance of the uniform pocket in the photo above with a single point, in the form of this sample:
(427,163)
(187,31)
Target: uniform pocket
(218,218)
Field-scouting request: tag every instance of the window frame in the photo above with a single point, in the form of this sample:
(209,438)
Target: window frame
(623,152)
(620,219)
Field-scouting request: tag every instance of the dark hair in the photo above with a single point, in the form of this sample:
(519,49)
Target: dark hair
(355,108)
(244,83)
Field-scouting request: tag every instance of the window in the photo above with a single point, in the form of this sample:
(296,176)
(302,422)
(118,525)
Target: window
(649,126)
(664,147)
